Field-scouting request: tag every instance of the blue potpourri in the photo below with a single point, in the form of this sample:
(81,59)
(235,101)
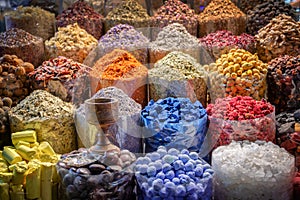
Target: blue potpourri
(172,174)
(174,123)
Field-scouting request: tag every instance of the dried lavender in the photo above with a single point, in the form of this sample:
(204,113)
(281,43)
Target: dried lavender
(173,37)
(125,37)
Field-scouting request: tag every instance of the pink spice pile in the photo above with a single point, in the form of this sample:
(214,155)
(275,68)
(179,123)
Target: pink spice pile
(239,108)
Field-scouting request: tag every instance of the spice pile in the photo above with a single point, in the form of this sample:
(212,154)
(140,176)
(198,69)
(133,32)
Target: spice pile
(174,123)
(246,5)
(14,81)
(33,20)
(178,75)
(172,174)
(62,77)
(106,177)
(280,37)
(120,69)
(49,116)
(126,133)
(241,118)
(22,44)
(84,15)
(128,12)
(283,80)
(262,14)
(221,42)
(237,73)
(124,37)
(174,11)
(260,170)
(173,37)
(72,42)
(221,15)
(28,168)
(5,105)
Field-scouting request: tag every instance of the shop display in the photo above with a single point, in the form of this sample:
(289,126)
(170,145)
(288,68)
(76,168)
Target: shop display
(153,79)
(237,73)
(105,177)
(49,116)
(128,12)
(241,118)
(121,36)
(283,78)
(178,75)
(245,170)
(221,42)
(262,14)
(221,15)
(5,106)
(174,123)
(18,42)
(62,77)
(28,168)
(173,37)
(72,42)
(279,37)
(120,69)
(33,20)
(126,133)
(14,81)
(84,15)
(169,174)
(174,11)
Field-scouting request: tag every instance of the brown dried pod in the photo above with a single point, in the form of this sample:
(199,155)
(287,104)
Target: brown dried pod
(17,61)
(28,67)
(7,93)
(7,101)
(20,71)
(7,58)
(11,78)
(18,92)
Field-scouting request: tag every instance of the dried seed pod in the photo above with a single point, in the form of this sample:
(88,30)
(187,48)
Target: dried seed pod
(7,101)
(280,37)
(283,79)
(262,14)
